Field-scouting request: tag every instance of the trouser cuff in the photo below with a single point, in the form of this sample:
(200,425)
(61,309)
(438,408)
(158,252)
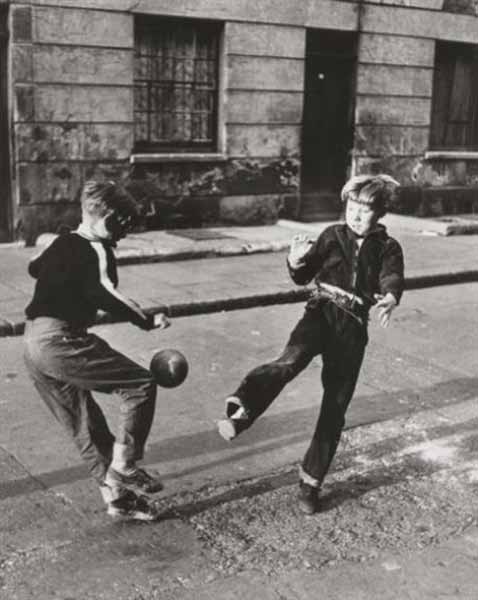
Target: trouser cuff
(308,479)
(235,408)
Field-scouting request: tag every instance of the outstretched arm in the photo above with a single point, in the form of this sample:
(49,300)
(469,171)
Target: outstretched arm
(101,292)
(391,280)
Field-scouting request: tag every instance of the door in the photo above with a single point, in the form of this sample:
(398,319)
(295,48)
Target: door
(328,116)
(5,198)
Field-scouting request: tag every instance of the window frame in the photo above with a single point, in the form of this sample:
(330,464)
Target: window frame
(187,147)
(447,57)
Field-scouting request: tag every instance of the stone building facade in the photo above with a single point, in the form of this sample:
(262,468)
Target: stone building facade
(234,110)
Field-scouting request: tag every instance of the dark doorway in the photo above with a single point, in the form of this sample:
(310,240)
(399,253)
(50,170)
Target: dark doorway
(328,120)
(5,199)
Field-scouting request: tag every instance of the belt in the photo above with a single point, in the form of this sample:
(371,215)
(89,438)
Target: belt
(346,301)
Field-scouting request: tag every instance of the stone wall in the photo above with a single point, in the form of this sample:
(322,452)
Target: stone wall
(72,97)
(72,73)
(72,113)
(394,95)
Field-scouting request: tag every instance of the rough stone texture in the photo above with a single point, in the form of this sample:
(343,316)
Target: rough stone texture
(61,182)
(196,194)
(263,140)
(386,79)
(263,73)
(83,27)
(22,62)
(265,40)
(266,11)
(51,218)
(440,172)
(49,190)
(436,201)
(168,194)
(390,140)
(234,177)
(401,167)
(82,70)
(406,21)
(83,65)
(249,210)
(89,103)
(330,14)
(264,107)
(392,110)
(73,141)
(386,49)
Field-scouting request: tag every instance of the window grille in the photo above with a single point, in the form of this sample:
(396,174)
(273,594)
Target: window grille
(454,123)
(175,84)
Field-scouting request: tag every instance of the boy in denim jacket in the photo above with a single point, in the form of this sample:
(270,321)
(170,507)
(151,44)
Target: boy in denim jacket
(355,265)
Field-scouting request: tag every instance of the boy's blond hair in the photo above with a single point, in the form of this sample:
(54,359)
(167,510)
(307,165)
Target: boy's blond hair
(102,197)
(376,191)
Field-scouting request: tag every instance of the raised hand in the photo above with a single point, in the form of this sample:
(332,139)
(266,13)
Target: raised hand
(299,247)
(161,321)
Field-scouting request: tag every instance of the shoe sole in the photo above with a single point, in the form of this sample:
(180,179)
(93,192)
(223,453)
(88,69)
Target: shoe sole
(117,513)
(226,429)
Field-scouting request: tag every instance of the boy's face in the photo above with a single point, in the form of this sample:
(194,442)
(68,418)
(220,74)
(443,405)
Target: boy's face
(112,226)
(361,218)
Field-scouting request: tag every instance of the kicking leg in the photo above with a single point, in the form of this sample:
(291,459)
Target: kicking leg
(263,384)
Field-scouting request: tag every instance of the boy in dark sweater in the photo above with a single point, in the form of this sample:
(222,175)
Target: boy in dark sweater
(356,265)
(76,275)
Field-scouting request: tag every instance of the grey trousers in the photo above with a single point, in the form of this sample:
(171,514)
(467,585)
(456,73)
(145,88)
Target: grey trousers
(66,365)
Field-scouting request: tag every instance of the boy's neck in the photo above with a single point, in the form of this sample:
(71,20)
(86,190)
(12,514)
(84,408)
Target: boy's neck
(376,227)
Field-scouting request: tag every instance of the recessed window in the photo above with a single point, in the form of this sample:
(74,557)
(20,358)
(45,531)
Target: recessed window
(176,85)
(454,123)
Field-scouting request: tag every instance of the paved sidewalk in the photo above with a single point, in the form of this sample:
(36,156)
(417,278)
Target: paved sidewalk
(246,270)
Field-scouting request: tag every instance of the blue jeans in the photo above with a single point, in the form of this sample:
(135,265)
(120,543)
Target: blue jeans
(341,341)
(66,365)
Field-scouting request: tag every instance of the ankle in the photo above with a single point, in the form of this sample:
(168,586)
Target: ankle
(122,461)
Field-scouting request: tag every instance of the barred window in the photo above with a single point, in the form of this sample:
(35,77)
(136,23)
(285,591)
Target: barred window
(175,84)
(454,123)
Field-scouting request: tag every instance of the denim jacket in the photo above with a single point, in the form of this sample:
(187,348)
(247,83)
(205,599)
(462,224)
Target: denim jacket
(335,258)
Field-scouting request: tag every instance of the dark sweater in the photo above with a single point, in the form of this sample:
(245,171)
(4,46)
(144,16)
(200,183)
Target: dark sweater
(75,278)
(376,268)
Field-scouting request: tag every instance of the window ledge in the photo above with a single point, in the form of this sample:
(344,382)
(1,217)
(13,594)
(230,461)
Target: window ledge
(161,157)
(452,154)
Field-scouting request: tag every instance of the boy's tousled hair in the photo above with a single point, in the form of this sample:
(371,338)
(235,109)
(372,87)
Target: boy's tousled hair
(376,191)
(102,197)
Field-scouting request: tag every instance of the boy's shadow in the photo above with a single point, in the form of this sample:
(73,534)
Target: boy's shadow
(411,465)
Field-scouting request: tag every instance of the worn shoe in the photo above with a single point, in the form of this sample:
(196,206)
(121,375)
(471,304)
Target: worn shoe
(131,506)
(139,481)
(308,498)
(226,429)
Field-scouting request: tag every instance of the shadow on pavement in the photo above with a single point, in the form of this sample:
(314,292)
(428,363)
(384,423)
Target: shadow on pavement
(272,432)
(358,484)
